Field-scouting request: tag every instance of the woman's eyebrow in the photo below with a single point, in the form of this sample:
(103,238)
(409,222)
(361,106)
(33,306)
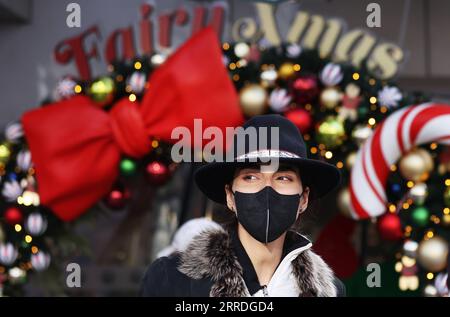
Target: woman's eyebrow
(249,170)
(286,169)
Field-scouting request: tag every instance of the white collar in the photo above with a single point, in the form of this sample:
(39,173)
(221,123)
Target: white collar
(283,282)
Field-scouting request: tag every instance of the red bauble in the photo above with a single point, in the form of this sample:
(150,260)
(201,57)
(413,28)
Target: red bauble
(117,198)
(13,215)
(301,118)
(157,172)
(390,227)
(305,89)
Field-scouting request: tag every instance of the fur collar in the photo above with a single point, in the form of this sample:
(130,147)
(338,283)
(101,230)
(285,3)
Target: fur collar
(211,256)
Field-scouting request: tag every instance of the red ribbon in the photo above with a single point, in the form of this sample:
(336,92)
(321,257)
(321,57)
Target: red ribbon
(76,146)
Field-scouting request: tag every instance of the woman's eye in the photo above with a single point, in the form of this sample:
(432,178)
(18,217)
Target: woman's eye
(249,177)
(284,178)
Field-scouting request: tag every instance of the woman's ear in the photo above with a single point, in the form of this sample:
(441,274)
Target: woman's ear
(304,201)
(230,198)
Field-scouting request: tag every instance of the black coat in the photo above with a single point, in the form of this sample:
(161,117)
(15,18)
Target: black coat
(216,264)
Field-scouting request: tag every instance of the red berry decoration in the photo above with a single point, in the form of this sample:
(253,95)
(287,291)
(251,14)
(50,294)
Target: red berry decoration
(390,227)
(117,198)
(157,172)
(301,118)
(305,89)
(13,215)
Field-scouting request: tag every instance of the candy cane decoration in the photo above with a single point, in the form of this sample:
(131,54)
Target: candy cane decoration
(395,136)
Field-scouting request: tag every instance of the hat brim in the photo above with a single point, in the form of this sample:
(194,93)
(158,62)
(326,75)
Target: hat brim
(320,177)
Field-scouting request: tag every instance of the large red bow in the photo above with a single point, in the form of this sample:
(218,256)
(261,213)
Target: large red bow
(76,146)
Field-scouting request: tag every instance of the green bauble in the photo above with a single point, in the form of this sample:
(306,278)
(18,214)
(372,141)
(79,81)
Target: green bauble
(331,132)
(362,111)
(102,90)
(127,167)
(5,152)
(420,216)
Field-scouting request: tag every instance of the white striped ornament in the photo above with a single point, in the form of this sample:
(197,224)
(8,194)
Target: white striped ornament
(13,132)
(279,100)
(40,261)
(395,136)
(8,254)
(331,75)
(137,82)
(24,160)
(11,190)
(36,224)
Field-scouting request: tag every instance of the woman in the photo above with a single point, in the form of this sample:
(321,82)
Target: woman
(259,255)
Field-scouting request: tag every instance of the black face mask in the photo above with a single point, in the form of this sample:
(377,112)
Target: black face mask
(266,214)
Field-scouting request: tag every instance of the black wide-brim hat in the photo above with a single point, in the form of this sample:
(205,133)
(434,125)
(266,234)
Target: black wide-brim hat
(319,176)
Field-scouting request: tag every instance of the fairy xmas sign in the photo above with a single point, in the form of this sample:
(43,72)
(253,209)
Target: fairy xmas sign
(155,32)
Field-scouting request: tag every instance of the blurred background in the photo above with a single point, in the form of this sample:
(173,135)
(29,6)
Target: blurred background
(335,68)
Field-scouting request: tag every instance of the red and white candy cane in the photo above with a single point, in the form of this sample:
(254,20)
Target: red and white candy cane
(396,135)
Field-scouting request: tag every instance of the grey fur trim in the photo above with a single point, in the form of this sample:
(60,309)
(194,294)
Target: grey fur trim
(314,276)
(211,255)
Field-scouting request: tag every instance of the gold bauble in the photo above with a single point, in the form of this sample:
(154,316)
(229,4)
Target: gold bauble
(443,168)
(343,202)
(350,160)
(428,159)
(253,100)
(414,166)
(286,71)
(331,132)
(102,90)
(330,97)
(445,220)
(432,254)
